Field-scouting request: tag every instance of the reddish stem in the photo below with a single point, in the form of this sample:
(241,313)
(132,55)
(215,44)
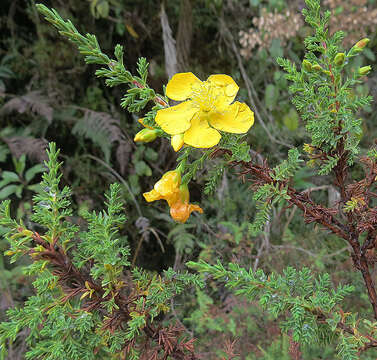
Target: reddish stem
(156,99)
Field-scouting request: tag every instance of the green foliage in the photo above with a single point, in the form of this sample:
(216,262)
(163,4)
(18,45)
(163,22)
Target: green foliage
(102,129)
(16,182)
(265,197)
(183,240)
(139,94)
(215,176)
(99,243)
(192,168)
(322,92)
(278,348)
(77,301)
(288,167)
(52,205)
(296,293)
(240,150)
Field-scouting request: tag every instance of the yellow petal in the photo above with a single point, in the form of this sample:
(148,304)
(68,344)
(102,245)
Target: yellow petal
(237,119)
(181,211)
(226,86)
(168,184)
(176,119)
(177,142)
(200,134)
(180,86)
(152,195)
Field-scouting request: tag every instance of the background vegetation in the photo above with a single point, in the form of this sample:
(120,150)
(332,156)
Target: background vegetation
(47,93)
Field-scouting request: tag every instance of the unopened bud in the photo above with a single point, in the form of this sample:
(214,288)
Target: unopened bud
(146,135)
(307,65)
(317,67)
(177,142)
(339,59)
(360,45)
(9,253)
(365,70)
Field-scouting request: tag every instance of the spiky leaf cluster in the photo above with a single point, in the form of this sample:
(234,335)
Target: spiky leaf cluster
(214,178)
(58,318)
(322,93)
(288,167)
(139,94)
(309,303)
(52,205)
(265,197)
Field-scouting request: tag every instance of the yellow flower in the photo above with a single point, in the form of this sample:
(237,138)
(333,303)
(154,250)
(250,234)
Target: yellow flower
(166,188)
(182,209)
(169,188)
(206,110)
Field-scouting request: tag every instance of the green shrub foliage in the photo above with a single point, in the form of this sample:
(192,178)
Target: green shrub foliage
(91,299)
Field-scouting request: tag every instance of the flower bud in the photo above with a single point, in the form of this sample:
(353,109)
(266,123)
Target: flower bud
(339,59)
(9,253)
(307,65)
(360,45)
(317,67)
(365,70)
(177,142)
(146,135)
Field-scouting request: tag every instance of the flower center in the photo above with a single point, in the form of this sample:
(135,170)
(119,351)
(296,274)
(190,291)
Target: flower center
(204,96)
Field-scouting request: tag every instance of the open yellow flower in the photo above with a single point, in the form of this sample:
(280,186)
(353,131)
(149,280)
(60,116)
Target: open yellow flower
(169,188)
(206,108)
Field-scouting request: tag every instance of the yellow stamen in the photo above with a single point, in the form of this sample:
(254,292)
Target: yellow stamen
(204,97)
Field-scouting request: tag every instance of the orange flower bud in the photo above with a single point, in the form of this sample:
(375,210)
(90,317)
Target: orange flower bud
(181,211)
(360,45)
